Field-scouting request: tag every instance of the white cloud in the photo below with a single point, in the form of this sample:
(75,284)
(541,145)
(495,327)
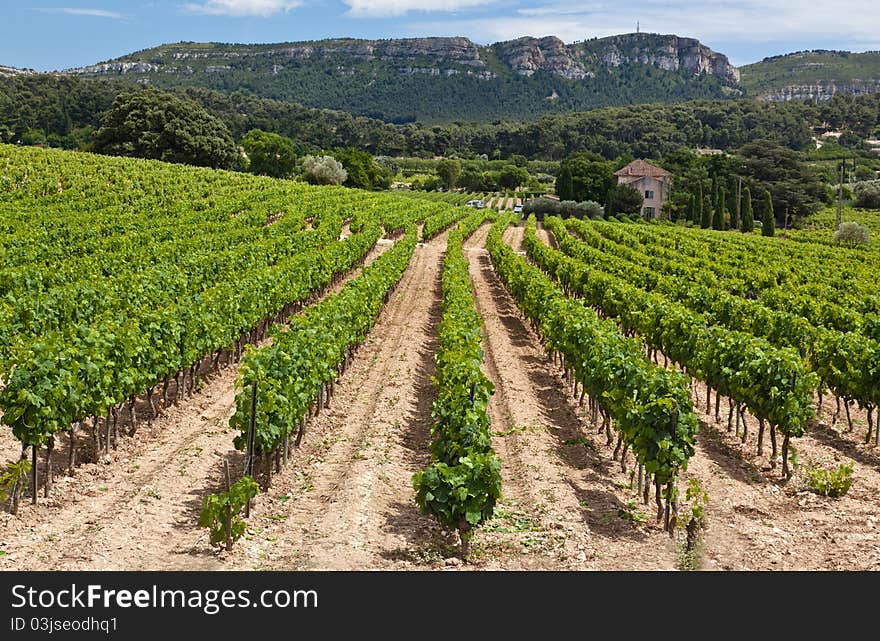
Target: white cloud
(238,8)
(72,11)
(387,8)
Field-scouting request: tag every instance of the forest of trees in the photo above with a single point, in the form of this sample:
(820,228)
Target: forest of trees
(63,112)
(768,143)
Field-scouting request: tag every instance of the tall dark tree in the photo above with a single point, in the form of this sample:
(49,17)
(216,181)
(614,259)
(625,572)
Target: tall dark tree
(624,199)
(564,187)
(794,186)
(693,214)
(718,217)
(768,220)
(736,211)
(748,215)
(706,212)
(162,126)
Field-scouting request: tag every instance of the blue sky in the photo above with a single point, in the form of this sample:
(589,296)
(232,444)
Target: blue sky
(58,34)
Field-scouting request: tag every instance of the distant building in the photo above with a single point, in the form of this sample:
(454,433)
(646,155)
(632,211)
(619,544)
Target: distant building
(651,181)
(710,152)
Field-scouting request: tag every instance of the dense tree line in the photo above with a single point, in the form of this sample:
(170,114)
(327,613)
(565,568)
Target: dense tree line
(61,111)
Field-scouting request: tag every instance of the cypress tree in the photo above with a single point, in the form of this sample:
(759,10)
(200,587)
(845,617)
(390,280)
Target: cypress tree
(718,219)
(735,212)
(565,184)
(693,216)
(706,213)
(769,221)
(748,217)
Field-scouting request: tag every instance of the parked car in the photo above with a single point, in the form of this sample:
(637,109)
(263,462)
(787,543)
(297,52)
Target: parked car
(517,209)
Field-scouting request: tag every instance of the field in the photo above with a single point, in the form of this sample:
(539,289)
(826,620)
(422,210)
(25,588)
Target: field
(142,301)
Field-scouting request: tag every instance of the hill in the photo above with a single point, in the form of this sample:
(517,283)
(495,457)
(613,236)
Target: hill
(813,75)
(436,80)
(14,71)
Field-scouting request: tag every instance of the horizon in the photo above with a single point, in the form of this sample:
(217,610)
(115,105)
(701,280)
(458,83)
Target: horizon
(95,31)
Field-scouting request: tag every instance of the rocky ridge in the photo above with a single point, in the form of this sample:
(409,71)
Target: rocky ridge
(439,56)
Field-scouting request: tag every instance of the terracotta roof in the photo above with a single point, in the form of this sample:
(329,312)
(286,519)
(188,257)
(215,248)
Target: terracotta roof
(642,168)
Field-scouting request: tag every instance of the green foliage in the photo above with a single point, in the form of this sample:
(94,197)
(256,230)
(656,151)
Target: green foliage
(834,483)
(624,199)
(269,154)
(62,111)
(693,212)
(161,126)
(449,171)
(748,215)
(291,372)
(108,291)
(651,406)
(424,182)
(460,496)
(864,173)
(564,183)
(768,219)
(463,483)
(794,186)
(223,510)
(339,78)
(773,383)
(512,176)
(811,68)
(718,217)
(362,169)
(706,213)
(591,178)
(691,523)
(14,474)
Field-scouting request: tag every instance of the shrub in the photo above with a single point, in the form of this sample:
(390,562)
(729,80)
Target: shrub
(566,209)
(852,234)
(867,194)
(833,483)
(323,170)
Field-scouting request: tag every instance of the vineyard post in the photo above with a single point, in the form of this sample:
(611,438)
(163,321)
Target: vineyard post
(228,519)
(34,474)
(249,465)
(249,470)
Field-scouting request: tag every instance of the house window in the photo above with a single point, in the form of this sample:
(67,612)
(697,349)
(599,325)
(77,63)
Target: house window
(649,194)
(649,212)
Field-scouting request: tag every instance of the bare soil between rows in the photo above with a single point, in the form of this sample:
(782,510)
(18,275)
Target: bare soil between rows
(345,499)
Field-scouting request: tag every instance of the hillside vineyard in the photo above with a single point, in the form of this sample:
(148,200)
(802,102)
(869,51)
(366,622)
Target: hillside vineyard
(406,376)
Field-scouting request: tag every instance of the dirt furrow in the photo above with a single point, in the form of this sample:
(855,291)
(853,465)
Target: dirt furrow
(757,521)
(565,506)
(138,509)
(347,500)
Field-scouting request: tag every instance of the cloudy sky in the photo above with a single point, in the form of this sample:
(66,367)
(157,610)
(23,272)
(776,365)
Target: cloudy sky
(59,34)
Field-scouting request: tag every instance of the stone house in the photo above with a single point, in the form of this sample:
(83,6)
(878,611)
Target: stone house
(652,182)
